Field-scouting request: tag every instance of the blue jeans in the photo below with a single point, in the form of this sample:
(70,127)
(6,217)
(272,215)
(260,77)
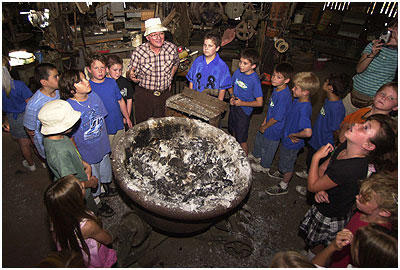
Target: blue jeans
(103,172)
(265,149)
(287,159)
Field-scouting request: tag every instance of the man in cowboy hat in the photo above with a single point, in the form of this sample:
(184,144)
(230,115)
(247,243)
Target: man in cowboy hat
(153,65)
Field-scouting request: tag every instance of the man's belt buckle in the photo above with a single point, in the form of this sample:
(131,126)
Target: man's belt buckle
(157,93)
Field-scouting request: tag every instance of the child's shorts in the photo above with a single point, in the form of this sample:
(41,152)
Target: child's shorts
(103,172)
(16,126)
(287,159)
(238,123)
(318,229)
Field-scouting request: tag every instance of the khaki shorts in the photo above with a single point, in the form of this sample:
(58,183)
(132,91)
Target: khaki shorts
(355,99)
(360,100)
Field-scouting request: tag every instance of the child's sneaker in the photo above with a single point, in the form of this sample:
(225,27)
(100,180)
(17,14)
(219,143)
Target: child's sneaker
(108,191)
(253,158)
(276,190)
(302,174)
(258,168)
(31,168)
(275,174)
(301,190)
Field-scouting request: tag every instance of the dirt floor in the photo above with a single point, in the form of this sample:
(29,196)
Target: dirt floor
(254,233)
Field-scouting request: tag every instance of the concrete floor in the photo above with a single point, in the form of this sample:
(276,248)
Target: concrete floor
(271,224)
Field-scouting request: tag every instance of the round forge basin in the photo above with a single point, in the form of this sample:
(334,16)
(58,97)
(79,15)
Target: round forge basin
(183,173)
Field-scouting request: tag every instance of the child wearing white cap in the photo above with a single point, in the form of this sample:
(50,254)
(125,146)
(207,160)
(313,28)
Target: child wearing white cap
(58,119)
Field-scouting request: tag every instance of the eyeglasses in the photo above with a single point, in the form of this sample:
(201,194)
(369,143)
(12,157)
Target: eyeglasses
(157,35)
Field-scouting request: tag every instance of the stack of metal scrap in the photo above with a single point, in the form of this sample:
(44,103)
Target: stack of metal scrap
(194,103)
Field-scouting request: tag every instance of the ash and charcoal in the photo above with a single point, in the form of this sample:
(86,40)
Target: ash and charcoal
(191,172)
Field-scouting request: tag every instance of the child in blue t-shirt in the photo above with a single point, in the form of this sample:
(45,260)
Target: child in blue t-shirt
(107,89)
(90,136)
(325,129)
(297,128)
(46,75)
(114,70)
(209,71)
(15,96)
(246,93)
(270,131)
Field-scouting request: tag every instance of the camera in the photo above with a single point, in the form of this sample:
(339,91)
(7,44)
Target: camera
(385,36)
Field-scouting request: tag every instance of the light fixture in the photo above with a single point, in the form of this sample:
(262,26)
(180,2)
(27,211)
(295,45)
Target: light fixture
(19,58)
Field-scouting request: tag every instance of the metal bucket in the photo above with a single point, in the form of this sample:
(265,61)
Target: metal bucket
(197,197)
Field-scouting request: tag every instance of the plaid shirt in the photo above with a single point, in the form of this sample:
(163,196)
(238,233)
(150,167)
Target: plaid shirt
(154,71)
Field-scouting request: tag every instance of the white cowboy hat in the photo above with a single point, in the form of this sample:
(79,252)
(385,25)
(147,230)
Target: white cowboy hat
(57,116)
(153,25)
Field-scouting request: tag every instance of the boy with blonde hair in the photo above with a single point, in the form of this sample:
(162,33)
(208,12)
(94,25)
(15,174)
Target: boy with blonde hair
(108,91)
(114,70)
(376,203)
(297,128)
(385,102)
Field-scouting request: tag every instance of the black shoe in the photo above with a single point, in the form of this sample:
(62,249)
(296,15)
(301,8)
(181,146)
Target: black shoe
(109,191)
(112,192)
(105,210)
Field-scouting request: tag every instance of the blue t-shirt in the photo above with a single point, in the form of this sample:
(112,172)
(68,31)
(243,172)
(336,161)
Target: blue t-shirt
(91,137)
(15,103)
(279,104)
(246,88)
(329,119)
(298,119)
(31,120)
(214,75)
(109,93)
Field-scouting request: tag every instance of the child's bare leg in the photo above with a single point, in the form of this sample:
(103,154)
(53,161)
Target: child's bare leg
(25,145)
(245,147)
(287,176)
(32,144)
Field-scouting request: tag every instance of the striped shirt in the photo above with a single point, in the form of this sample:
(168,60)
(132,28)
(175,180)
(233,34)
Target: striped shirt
(381,70)
(154,70)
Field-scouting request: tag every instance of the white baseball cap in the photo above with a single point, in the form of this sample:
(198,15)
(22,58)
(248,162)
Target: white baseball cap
(153,25)
(57,116)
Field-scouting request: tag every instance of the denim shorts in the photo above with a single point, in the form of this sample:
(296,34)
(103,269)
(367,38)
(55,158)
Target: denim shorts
(16,126)
(238,124)
(287,159)
(265,149)
(102,171)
